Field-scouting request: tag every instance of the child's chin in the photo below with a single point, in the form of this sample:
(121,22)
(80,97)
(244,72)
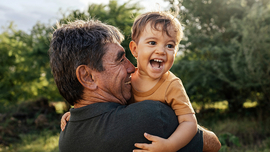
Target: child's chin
(155,76)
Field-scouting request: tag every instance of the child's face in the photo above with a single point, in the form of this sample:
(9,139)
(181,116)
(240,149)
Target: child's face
(155,51)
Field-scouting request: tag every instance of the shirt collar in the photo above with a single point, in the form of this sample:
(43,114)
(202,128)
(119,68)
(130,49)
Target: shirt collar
(92,110)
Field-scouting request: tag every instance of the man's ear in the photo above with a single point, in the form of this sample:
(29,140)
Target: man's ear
(133,48)
(84,76)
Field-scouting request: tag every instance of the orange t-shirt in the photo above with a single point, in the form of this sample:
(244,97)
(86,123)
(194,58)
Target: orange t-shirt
(169,90)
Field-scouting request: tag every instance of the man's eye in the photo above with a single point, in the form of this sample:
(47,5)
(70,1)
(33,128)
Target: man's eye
(170,46)
(122,60)
(152,42)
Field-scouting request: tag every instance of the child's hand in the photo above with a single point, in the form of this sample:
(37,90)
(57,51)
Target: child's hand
(158,144)
(64,120)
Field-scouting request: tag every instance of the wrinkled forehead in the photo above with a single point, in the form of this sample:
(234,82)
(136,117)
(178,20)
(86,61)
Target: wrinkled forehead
(114,51)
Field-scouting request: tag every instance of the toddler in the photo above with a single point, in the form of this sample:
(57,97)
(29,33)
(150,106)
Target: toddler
(155,39)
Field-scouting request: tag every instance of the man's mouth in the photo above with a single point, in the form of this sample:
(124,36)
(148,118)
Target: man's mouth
(156,63)
(128,82)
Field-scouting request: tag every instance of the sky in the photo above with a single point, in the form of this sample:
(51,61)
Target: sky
(26,13)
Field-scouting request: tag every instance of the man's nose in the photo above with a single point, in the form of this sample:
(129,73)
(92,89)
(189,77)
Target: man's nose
(130,67)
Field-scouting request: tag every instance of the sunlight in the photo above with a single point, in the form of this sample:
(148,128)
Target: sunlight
(250,104)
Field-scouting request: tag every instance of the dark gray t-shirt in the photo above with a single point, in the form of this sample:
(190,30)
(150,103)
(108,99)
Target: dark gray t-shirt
(111,127)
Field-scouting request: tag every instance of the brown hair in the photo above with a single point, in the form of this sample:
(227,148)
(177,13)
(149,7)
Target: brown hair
(165,19)
(79,43)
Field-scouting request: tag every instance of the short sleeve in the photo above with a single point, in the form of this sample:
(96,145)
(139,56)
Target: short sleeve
(177,98)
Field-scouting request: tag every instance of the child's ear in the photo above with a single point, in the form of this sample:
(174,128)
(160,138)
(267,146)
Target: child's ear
(133,48)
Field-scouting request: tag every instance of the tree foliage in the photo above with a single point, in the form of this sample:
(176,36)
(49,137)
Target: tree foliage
(25,72)
(226,51)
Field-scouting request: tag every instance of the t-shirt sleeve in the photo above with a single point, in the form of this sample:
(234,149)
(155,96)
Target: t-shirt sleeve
(177,98)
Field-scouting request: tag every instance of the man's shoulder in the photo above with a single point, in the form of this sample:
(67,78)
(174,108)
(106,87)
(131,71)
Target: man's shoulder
(149,116)
(147,103)
(148,111)
(150,106)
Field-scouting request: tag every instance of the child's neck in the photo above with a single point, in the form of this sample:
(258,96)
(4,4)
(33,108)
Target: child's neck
(141,82)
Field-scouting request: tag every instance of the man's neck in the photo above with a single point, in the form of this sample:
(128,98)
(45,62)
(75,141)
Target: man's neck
(96,98)
(82,103)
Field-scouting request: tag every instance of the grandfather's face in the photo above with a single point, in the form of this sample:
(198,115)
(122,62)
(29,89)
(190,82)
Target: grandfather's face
(115,79)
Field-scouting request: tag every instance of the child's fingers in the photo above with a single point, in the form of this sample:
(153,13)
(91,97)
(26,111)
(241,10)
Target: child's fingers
(139,150)
(64,120)
(68,117)
(151,137)
(143,146)
(63,124)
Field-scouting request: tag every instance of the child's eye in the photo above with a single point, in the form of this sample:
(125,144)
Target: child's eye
(152,42)
(170,46)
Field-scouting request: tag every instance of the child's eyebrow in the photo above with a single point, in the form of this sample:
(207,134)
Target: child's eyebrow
(120,54)
(173,41)
(151,38)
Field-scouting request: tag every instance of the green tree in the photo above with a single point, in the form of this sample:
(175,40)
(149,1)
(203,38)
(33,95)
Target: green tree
(251,64)
(121,16)
(226,51)
(14,69)
(42,81)
(7,66)
(25,72)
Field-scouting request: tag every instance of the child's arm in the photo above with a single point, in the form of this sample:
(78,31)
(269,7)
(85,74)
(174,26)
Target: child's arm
(64,120)
(186,130)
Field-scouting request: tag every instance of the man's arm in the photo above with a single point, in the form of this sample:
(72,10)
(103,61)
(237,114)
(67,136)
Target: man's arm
(210,141)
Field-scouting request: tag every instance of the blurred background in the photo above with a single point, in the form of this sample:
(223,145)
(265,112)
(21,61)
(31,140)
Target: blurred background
(223,61)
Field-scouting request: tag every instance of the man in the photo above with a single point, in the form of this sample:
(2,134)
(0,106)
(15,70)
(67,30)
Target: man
(92,73)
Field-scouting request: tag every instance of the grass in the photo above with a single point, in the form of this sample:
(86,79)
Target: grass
(45,141)
(247,134)
(248,131)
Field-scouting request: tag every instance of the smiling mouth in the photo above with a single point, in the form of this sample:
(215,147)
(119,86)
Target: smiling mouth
(156,63)
(128,82)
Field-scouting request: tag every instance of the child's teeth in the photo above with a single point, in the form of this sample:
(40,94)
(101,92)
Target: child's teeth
(157,60)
